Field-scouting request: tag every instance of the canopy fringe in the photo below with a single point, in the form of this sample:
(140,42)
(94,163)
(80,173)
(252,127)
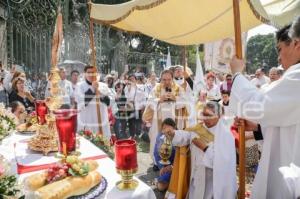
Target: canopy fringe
(144,7)
(256,14)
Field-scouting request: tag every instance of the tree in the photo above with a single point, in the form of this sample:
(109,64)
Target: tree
(261,51)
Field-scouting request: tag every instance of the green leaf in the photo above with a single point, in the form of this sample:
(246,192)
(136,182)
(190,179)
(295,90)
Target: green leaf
(72,172)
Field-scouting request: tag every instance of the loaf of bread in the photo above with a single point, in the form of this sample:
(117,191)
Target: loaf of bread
(68,187)
(38,180)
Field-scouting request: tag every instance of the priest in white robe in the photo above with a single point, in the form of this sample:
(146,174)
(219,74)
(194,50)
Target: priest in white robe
(183,79)
(86,104)
(277,110)
(213,158)
(166,100)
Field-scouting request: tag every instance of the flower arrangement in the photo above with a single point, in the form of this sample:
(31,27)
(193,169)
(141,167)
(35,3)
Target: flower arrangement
(9,187)
(70,166)
(7,122)
(100,141)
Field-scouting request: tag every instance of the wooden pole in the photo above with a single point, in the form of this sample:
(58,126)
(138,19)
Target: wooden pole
(185,59)
(241,128)
(93,63)
(91,34)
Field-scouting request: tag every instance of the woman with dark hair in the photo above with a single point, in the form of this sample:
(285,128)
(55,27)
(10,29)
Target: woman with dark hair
(20,94)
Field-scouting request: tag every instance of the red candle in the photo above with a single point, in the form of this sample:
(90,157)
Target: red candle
(41,111)
(66,124)
(126,155)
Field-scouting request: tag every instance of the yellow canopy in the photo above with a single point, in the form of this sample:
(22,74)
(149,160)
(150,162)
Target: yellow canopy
(186,22)
(278,12)
(180,22)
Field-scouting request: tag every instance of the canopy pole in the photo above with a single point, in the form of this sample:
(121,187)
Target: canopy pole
(184,57)
(91,35)
(241,127)
(93,63)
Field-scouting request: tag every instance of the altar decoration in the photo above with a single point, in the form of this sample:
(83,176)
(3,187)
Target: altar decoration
(100,141)
(41,111)
(7,122)
(30,125)
(45,141)
(71,177)
(126,163)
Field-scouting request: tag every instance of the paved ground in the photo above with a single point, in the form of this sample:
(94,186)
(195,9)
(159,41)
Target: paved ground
(145,172)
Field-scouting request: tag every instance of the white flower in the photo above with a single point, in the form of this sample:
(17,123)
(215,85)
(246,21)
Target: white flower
(5,125)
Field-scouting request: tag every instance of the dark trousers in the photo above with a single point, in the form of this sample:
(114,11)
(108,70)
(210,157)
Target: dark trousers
(135,124)
(120,128)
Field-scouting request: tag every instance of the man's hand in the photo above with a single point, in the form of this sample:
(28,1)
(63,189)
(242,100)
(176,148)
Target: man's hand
(163,98)
(165,169)
(171,97)
(199,143)
(237,65)
(29,96)
(95,85)
(249,126)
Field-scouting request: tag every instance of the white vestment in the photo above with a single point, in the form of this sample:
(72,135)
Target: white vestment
(213,173)
(277,110)
(163,110)
(214,93)
(191,101)
(259,82)
(87,117)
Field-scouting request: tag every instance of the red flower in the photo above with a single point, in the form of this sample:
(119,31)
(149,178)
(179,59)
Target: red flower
(87,132)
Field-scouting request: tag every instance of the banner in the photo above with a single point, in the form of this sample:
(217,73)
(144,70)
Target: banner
(217,54)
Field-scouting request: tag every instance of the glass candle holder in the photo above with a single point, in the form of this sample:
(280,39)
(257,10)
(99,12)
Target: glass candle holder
(126,163)
(66,124)
(41,111)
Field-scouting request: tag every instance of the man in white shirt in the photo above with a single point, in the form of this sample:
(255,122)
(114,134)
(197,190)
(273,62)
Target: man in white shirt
(212,89)
(151,83)
(274,75)
(135,99)
(260,78)
(74,78)
(277,111)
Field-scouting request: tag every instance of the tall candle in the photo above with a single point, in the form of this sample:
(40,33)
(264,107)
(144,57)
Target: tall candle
(41,111)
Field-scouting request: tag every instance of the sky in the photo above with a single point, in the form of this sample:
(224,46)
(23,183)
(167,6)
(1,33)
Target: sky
(261,29)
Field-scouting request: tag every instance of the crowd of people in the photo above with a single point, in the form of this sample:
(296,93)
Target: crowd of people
(202,127)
